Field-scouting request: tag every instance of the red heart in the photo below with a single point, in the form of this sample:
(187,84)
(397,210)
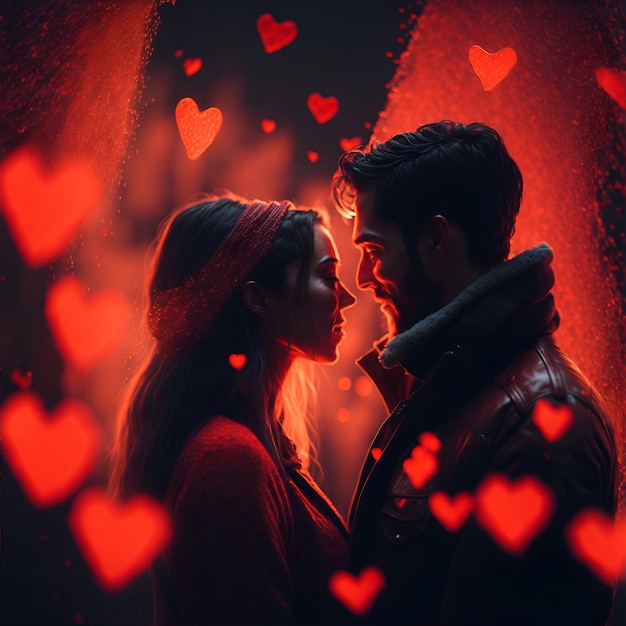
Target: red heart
(514,512)
(552,421)
(118,540)
(376,452)
(350,144)
(451,512)
(178,53)
(598,541)
(237,361)
(275,35)
(614,83)
(431,441)
(43,209)
(421,466)
(268,126)
(192,66)
(22,381)
(357,593)
(197,129)
(322,109)
(51,455)
(85,330)
(312,156)
(491,69)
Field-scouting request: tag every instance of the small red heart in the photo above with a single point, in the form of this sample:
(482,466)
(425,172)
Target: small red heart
(275,35)
(599,541)
(323,109)
(552,421)
(22,381)
(357,593)
(451,512)
(312,156)
(43,209)
(237,361)
(421,466)
(178,53)
(51,455)
(376,453)
(350,144)
(614,83)
(85,330)
(197,129)
(492,69)
(192,66)
(268,126)
(431,441)
(514,512)
(118,540)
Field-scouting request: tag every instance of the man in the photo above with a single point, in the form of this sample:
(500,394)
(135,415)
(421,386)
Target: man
(486,410)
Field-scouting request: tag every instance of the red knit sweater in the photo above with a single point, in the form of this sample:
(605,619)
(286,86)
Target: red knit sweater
(250,545)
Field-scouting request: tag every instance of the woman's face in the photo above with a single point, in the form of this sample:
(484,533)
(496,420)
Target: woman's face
(311,324)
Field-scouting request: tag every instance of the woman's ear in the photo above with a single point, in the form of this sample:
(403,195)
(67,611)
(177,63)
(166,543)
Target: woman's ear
(254,297)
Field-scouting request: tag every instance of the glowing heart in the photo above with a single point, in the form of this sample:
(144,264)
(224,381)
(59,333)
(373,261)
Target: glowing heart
(451,512)
(376,453)
(312,156)
(22,381)
(599,542)
(350,144)
(323,109)
(514,512)
(44,208)
(421,466)
(431,441)
(51,455)
(192,66)
(118,540)
(492,69)
(268,126)
(198,129)
(237,361)
(275,35)
(614,83)
(85,330)
(357,593)
(552,421)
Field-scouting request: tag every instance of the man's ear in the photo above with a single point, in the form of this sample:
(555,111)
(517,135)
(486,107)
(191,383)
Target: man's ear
(436,237)
(255,297)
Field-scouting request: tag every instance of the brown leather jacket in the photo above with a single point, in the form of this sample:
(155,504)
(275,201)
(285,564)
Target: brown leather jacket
(475,378)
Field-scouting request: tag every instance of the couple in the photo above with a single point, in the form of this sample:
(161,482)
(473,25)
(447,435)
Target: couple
(243,294)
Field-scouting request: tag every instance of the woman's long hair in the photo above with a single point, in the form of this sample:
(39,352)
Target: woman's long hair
(174,393)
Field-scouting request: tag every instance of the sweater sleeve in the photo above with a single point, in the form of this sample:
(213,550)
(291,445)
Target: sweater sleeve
(231,553)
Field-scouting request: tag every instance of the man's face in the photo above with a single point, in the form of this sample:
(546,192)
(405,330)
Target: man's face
(400,283)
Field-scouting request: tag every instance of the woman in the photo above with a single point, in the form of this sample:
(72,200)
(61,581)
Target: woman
(239,293)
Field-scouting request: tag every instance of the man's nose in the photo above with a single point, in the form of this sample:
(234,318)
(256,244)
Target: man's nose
(365,274)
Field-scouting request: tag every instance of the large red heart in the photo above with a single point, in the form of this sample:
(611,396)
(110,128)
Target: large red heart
(118,540)
(357,593)
(492,69)
(51,455)
(451,512)
(598,541)
(275,35)
(614,83)
(552,421)
(85,330)
(514,512)
(44,208)
(323,109)
(198,129)
(421,466)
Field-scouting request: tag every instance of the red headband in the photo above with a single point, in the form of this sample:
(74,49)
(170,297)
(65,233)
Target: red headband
(180,316)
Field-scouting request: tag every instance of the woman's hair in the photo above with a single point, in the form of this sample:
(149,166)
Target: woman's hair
(175,392)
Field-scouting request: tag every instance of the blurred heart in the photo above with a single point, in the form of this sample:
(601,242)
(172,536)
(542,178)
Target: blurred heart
(451,512)
(192,66)
(350,144)
(50,454)
(312,156)
(430,441)
(275,35)
(85,329)
(44,208)
(552,421)
(268,126)
(237,361)
(323,109)
(376,453)
(421,466)
(614,83)
(492,69)
(513,511)
(357,593)
(118,540)
(599,542)
(198,129)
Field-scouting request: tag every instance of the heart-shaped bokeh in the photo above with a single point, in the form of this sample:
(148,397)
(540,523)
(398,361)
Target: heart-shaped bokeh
(357,593)
(268,126)
(492,69)
(451,512)
(198,129)
(421,466)
(50,454)
(323,109)
(237,361)
(553,421)
(192,66)
(275,35)
(44,208)
(347,144)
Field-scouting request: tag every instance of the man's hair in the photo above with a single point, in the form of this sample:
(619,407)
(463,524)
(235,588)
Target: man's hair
(463,172)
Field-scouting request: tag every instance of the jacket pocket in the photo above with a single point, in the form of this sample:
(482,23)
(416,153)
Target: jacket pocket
(404,517)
